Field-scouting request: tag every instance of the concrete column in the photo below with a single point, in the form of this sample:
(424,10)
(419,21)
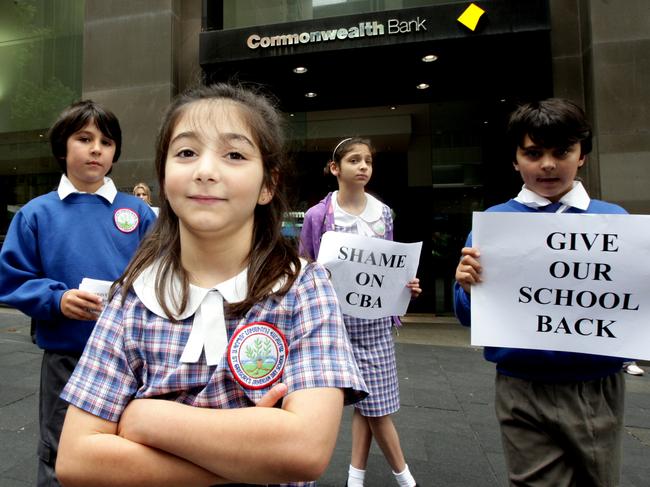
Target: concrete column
(601,58)
(620,62)
(571,50)
(137,56)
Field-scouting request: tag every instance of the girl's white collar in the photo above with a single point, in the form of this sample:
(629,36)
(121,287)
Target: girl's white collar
(371,213)
(234,290)
(209,333)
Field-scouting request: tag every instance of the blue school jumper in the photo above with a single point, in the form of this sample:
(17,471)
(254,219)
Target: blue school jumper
(52,244)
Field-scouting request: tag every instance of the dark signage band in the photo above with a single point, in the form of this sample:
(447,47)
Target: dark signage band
(370,29)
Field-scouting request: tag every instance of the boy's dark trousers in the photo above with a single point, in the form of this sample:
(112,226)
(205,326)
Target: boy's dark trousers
(56,369)
(561,434)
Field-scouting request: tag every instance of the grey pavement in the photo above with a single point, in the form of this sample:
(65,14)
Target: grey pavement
(446,424)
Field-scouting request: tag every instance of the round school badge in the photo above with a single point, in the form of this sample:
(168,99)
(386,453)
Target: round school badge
(379,228)
(126,220)
(257,354)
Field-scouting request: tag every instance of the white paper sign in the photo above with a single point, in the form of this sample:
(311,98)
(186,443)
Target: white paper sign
(568,282)
(96,286)
(369,274)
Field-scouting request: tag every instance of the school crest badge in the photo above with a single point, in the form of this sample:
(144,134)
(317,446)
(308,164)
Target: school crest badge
(379,228)
(126,220)
(257,354)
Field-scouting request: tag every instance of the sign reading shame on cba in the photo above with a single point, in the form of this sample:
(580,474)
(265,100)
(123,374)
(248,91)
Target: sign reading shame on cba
(369,274)
(564,282)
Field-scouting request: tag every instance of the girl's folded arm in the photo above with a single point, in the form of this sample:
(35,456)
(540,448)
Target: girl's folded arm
(91,453)
(249,445)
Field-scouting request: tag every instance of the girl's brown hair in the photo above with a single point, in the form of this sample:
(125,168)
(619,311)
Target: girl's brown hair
(272,257)
(343,147)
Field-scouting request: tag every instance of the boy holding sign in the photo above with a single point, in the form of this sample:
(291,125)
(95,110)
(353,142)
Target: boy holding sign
(561,413)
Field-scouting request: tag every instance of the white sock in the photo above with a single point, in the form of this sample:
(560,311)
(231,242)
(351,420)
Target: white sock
(355,477)
(404,478)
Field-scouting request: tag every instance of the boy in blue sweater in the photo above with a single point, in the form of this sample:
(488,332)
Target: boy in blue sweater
(83,229)
(561,414)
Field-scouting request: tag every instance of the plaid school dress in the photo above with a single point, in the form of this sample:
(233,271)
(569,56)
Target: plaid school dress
(134,353)
(372,340)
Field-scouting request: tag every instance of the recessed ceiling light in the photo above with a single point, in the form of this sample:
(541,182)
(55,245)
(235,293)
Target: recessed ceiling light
(429,58)
(422,86)
(310,94)
(299,70)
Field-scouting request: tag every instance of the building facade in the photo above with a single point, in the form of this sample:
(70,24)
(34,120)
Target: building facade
(432,93)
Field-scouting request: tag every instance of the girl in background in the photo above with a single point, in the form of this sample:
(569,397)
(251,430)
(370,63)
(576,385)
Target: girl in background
(352,210)
(214,309)
(142,191)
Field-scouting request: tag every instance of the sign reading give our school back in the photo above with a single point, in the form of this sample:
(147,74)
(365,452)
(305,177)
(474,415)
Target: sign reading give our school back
(567,282)
(369,275)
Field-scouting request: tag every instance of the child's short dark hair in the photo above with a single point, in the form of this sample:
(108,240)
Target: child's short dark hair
(77,116)
(554,122)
